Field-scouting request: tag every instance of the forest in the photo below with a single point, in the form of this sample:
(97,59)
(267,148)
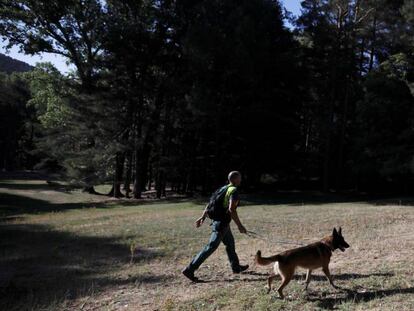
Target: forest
(174,94)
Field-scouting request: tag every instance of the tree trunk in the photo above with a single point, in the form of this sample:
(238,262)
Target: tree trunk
(362,58)
(334,86)
(373,43)
(90,190)
(163,186)
(340,170)
(160,185)
(144,165)
(141,170)
(127,184)
(137,180)
(119,172)
(328,147)
(149,177)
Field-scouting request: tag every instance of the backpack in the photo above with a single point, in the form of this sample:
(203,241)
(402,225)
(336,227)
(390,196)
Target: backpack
(215,207)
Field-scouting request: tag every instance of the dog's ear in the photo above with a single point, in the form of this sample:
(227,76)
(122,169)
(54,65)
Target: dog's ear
(340,231)
(334,232)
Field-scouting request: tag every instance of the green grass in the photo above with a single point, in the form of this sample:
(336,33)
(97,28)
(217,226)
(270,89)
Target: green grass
(64,249)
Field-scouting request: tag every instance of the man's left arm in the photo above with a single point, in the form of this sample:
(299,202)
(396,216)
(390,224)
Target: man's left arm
(234,202)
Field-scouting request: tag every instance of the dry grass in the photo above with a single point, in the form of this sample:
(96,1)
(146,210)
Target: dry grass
(63,249)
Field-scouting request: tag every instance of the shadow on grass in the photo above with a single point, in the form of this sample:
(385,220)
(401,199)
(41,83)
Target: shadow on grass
(13,205)
(262,277)
(331,303)
(41,267)
(44,186)
(345,276)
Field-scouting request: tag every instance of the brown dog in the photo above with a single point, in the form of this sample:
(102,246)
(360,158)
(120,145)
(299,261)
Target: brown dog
(311,257)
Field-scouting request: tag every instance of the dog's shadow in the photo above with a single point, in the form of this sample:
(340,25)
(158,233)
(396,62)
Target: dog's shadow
(262,277)
(343,277)
(348,295)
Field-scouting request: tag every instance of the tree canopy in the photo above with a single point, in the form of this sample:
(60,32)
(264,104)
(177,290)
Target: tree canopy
(173,94)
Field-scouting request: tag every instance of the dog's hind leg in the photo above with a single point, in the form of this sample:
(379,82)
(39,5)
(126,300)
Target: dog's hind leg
(286,273)
(325,270)
(308,277)
(269,282)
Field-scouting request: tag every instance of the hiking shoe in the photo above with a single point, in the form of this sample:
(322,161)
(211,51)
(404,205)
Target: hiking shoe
(241,268)
(190,275)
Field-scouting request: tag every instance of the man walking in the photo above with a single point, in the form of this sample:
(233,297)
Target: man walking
(221,229)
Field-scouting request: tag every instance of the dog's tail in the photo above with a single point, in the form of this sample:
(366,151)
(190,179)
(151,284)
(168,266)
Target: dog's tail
(264,261)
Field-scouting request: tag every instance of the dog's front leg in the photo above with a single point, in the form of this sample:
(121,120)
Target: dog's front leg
(328,275)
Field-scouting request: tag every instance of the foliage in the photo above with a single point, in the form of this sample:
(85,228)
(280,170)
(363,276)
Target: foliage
(48,89)
(384,119)
(178,93)
(16,128)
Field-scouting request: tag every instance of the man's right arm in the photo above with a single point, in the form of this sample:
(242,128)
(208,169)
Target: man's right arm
(200,220)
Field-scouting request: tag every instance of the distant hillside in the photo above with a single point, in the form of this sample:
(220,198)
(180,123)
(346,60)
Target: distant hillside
(9,65)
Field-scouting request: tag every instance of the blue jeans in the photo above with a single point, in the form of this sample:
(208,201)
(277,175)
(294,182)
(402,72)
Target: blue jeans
(220,233)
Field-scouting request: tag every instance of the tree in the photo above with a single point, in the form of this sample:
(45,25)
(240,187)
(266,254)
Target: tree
(68,28)
(237,53)
(17,131)
(330,32)
(383,137)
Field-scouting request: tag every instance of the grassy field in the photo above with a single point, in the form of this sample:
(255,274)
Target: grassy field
(61,249)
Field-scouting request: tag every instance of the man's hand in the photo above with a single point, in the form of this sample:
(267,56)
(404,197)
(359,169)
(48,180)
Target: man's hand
(199,221)
(242,229)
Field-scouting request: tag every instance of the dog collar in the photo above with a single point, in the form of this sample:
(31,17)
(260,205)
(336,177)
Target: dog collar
(329,246)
